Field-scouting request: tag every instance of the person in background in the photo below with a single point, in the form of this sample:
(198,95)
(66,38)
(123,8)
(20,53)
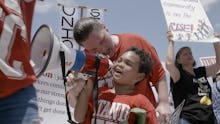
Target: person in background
(94,37)
(215,96)
(18,101)
(190,83)
(115,104)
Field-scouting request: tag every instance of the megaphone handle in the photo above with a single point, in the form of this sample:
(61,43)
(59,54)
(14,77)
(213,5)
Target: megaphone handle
(95,90)
(62,59)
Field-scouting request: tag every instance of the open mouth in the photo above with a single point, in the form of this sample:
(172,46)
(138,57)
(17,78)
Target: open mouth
(118,71)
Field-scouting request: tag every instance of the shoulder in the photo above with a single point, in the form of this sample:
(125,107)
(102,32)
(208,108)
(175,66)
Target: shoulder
(132,36)
(133,39)
(200,69)
(143,102)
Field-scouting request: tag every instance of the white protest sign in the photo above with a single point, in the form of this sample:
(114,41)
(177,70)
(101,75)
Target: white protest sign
(95,13)
(206,61)
(174,118)
(69,14)
(51,98)
(187,20)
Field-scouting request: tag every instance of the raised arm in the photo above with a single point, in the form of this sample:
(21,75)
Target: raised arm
(170,61)
(78,95)
(212,69)
(82,105)
(163,107)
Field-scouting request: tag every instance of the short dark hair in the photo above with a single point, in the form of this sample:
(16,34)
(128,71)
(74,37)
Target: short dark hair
(84,27)
(146,62)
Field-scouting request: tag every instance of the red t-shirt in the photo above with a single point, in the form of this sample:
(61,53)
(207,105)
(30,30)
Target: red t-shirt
(113,108)
(128,40)
(15,29)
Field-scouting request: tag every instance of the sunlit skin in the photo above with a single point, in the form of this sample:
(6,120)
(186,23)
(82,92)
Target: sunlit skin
(186,57)
(101,42)
(126,73)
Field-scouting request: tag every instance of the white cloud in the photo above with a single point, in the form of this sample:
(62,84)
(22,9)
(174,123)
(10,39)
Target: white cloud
(49,5)
(45,6)
(208,3)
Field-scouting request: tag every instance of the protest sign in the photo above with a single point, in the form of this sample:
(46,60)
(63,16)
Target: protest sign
(187,21)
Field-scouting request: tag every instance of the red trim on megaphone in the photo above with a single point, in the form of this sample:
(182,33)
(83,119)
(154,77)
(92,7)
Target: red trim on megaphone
(90,64)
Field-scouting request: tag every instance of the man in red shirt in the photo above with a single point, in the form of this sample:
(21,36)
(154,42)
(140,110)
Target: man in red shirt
(18,102)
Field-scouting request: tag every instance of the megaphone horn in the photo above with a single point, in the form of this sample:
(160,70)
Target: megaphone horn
(42,47)
(45,48)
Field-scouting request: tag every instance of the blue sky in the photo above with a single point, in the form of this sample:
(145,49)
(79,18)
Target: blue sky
(143,17)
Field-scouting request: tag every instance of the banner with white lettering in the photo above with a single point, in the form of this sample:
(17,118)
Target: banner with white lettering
(50,86)
(187,20)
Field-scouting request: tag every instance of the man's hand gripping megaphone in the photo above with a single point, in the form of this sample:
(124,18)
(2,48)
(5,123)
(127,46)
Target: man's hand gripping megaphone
(78,81)
(75,82)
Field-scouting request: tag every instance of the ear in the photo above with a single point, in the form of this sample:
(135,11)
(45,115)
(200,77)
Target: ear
(140,77)
(105,27)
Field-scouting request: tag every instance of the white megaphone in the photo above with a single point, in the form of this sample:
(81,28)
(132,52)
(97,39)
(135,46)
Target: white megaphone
(45,49)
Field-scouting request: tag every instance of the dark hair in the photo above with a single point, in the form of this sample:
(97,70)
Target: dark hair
(146,63)
(178,55)
(84,27)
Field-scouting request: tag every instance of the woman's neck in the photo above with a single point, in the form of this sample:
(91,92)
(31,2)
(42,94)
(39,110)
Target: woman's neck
(189,69)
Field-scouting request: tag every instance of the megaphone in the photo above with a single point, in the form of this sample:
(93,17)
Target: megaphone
(45,49)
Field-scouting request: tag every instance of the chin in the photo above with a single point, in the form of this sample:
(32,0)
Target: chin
(116,78)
